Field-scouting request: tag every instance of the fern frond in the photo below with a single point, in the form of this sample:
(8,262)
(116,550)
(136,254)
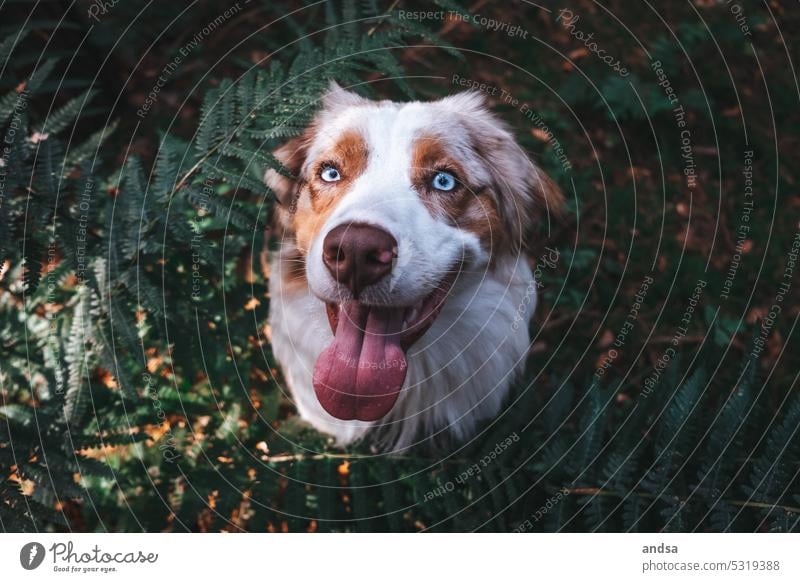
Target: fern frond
(76,356)
(66,115)
(90,148)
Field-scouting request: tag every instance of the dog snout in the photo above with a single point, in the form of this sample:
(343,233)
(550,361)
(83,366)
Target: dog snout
(358,255)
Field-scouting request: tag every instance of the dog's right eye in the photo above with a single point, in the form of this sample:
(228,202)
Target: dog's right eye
(330,174)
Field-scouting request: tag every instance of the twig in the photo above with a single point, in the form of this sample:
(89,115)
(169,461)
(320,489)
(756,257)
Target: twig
(692,339)
(194,168)
(372,30)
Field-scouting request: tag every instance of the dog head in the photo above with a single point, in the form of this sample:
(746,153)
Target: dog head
(387,204)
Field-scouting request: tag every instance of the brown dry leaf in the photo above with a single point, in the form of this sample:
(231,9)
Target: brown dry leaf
(38,137)
(251,304)
(101,453)
(601,361)
(755,314)
(153,364)
(106,378)
(27,486)
(156,431)
(538,347)
(605,339)
(540,134)
(578,53)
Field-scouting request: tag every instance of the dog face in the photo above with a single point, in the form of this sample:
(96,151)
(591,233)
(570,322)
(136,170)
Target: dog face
(390,202)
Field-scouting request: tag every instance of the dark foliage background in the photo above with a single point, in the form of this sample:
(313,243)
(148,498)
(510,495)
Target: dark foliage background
(138,387)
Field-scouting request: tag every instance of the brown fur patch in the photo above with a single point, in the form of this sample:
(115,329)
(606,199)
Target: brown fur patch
(307,223)
(317,198)
(482,217)
(429,156)
(467,206)
(349,155)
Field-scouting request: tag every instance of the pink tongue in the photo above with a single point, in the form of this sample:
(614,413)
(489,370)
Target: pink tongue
(361,373)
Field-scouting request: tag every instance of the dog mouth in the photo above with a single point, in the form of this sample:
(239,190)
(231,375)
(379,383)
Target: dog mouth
(360,374)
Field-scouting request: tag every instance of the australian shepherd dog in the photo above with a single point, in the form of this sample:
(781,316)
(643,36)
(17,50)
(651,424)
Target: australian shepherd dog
(401,295)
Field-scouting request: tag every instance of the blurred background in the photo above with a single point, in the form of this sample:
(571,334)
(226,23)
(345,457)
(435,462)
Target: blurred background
(139,392)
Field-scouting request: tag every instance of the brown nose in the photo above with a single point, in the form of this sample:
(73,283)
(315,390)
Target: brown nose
(358,255)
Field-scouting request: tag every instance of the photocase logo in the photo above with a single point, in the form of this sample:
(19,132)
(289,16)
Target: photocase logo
(31,555)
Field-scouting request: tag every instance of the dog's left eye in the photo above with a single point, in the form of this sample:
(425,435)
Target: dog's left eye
(330,174)
(444,181)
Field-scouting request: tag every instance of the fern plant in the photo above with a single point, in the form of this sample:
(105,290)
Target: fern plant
(138,387)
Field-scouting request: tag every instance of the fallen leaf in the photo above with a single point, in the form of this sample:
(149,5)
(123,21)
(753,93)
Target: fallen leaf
(605,339)
(578,53)
(540,134)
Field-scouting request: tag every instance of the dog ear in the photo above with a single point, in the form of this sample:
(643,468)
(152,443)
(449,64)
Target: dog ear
(336,98)
(292,155)
(525,193)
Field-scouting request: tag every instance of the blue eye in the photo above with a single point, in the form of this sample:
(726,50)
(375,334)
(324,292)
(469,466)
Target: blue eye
(444,181)
(330,174)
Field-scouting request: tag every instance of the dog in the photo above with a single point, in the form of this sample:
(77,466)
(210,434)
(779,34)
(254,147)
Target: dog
(400,296)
